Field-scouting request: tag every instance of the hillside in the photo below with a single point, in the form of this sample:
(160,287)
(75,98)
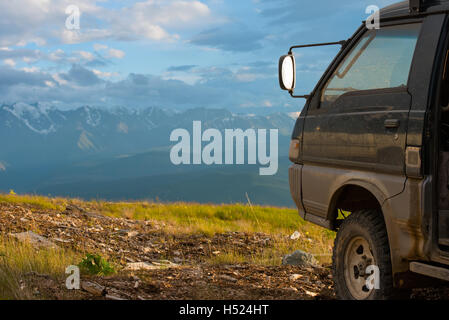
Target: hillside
(214,252)
(146,250)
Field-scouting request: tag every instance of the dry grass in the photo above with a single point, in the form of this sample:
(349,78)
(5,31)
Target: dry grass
(18,260)
(175,218)
(279,223)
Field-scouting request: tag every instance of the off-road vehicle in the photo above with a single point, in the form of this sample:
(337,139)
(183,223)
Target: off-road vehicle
(370,151)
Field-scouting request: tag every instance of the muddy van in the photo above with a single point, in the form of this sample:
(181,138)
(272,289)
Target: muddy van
(370,151)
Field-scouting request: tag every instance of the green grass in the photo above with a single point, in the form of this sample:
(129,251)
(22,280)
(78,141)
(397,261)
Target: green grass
(211,219)
(279,223)
(38,202)
(193,218)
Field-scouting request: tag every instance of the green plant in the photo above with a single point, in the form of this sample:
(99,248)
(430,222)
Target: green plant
(94,264)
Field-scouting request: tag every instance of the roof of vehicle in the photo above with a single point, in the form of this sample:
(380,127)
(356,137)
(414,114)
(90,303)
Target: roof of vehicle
(402,9)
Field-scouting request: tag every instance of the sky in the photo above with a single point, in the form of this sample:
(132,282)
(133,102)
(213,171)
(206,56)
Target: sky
(167,53)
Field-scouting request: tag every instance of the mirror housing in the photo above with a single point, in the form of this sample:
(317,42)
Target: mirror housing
(287,72)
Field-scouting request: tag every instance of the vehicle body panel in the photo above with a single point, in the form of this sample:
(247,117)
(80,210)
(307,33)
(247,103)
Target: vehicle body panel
(350,145)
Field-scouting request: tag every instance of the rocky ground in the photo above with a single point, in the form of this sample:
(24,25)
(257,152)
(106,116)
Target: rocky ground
(153,264)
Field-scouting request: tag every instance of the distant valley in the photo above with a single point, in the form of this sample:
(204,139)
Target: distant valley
(123,154)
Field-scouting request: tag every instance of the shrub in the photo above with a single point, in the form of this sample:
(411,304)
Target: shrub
(94,264)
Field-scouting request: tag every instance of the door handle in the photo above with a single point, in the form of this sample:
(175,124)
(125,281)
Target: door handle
(392,123)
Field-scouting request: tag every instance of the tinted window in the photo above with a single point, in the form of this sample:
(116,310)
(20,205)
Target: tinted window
(381,59)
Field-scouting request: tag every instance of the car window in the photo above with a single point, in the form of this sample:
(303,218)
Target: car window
(381,59)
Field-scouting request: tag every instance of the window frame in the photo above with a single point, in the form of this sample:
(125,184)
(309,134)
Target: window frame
(314,103)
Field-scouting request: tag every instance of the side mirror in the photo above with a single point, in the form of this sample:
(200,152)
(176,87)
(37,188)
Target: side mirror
(287,72)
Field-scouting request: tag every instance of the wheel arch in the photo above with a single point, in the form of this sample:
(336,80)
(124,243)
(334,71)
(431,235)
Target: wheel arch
(352,196)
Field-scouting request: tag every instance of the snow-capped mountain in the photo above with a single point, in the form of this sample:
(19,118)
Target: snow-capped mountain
(35,134)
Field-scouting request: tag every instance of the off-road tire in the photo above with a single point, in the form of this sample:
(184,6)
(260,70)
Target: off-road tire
(370,225)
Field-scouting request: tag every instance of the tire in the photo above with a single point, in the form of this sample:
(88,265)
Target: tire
(362,241)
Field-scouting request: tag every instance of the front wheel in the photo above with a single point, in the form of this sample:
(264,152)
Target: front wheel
(361,258)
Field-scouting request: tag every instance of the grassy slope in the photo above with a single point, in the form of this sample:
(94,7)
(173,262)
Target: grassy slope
(177,218)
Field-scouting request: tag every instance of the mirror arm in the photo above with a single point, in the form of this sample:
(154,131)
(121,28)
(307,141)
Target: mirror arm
(307,96)
(342,43)
(290,52)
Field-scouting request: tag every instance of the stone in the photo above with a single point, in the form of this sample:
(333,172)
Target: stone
(93,288)
(310,293)
(227,278)
(295,236)
(34,239)
(299,258)
(112,297)
(177,260)
(295,277)
(154,265)
(128,233)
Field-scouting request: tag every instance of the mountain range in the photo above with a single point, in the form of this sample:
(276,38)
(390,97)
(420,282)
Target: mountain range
(123,154)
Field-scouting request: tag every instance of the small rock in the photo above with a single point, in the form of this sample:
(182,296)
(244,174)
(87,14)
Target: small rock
(93,288)
(154,265)
(34,239)
(295,236)
(111,297)
(216,253)
(295,277)
(136,266)
(227,278)
(309,293)
(128,233)
(62,240)
(71,208)
(177,260)
(299,258)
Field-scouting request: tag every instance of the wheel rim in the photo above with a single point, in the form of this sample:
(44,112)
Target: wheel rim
(358,256)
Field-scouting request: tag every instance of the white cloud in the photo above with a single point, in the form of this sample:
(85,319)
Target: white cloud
(40,21)
(115,53)
(50,84)
(104,74)
(57,55)
(267,103)
(9,62)
(86,55)
(99,47)
(31,69)
(59,80)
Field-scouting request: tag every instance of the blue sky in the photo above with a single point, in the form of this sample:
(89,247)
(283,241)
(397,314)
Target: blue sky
(167,53)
